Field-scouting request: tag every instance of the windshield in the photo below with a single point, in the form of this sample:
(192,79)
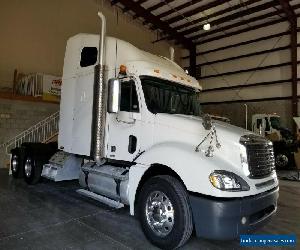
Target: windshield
(275,122)
(164,96)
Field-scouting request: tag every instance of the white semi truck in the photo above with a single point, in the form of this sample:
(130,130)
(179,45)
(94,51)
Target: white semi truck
(131,130)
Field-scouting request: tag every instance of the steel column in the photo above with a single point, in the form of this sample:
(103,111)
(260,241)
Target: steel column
(193,56)
(292,18)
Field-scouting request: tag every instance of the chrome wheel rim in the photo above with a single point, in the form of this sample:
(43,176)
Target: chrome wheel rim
(159,213)
(14,163)
(28,167)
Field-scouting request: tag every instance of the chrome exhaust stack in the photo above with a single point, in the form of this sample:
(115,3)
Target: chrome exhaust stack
(99,101)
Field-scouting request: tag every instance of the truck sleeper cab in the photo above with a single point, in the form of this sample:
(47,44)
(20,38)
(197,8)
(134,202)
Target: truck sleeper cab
(176,169)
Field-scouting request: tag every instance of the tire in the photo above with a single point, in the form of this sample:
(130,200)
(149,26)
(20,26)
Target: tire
(166,224)
(16,165)
(282,161)
(32,170)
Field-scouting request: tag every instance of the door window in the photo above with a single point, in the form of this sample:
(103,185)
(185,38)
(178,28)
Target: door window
(129,99)
(267,124)
(88,56)
(259,123)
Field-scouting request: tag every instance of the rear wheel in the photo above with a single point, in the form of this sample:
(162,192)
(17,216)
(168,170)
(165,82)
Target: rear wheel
(32,170)
(164,212)
(15,164)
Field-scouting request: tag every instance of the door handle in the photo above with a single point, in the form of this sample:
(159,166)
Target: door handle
(132,144)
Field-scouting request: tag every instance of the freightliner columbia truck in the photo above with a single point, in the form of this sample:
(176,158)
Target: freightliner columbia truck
(132,131)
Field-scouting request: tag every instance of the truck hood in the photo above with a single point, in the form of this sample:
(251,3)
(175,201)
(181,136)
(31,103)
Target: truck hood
(188,132)
(192,125)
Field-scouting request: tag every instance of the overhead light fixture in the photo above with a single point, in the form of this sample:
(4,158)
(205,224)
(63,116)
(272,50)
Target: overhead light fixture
(206,26)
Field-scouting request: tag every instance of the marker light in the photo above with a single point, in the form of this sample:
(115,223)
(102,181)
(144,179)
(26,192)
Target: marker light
(123,69)
(206,26)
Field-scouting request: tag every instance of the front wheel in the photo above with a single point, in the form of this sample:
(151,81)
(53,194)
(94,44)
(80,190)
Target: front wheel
(32,170)
(164,212)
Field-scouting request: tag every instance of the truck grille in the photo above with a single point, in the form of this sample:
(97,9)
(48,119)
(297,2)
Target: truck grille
(260,155)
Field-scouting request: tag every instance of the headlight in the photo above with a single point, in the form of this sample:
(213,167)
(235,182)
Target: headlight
(228,181)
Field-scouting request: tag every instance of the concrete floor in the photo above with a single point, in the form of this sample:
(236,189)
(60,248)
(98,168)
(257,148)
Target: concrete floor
(53,216)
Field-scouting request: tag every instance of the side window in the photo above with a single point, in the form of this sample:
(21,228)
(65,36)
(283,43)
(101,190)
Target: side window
(129,99)
(258,123)
(88,56)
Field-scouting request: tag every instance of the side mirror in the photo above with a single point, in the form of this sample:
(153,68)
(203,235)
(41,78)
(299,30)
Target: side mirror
(114,95)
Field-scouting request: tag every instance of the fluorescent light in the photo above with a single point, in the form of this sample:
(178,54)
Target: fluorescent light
(206,26)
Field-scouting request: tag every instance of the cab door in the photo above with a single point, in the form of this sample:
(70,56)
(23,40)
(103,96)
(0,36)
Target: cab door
(124,127)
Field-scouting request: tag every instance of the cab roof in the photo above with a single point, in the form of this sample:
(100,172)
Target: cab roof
(137,61)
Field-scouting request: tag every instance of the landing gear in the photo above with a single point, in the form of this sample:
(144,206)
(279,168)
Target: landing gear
(164,212)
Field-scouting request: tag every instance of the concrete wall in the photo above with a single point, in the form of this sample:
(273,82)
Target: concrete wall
(17,116)
(34,33)
(236,111)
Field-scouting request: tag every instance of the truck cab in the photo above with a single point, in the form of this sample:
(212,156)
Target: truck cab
(175,167)
(158,130)
(266,124)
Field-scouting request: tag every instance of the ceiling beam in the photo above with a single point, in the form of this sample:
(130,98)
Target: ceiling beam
(289,10)
(193,61)
(213,15)
(156,6)
(233,33)
(114,2)
(149,17)
(235,25)
(196,11)
(139,2)
(246,12)
(234,16)
(159,5)
(179,7)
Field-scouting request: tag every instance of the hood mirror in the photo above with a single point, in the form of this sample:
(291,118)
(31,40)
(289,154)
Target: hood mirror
(207,122)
